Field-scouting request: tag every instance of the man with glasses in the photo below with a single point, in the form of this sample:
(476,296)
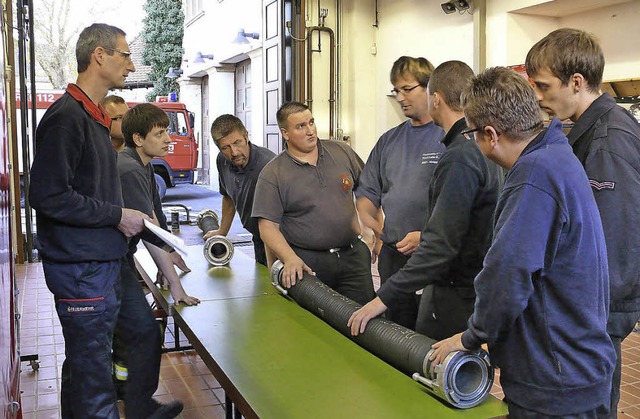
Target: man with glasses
(543,293)
(457,229)
(115,107)
(82,225)
(396,178)
(566,67)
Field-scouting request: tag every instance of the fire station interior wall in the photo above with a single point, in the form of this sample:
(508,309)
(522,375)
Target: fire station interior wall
(367,48)
(416,28)
(420,28)
(511,31)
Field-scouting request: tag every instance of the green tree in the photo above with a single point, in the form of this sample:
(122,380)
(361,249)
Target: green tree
(162,32)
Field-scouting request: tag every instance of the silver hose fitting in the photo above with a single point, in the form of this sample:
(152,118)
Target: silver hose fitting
(463,380)
(218,250)
(208,220)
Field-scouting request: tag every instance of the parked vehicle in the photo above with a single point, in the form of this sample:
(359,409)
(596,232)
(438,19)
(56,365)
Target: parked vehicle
(177,167)
(180,164)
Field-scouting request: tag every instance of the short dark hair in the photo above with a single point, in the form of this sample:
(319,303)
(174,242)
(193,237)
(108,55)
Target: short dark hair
(503,99)
(565,52)
(225,125)
(420,68)
(140,120)
(449,79)
(115,99)
(287,109)
(92,37)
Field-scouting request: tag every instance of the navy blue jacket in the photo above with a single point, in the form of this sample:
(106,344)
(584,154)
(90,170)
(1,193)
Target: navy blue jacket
(75,188)
(606,139)
(542,297)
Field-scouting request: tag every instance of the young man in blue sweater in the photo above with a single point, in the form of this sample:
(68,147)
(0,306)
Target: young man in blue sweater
(542,297)
(566,67)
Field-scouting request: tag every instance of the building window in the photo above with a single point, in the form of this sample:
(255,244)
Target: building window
(194,9)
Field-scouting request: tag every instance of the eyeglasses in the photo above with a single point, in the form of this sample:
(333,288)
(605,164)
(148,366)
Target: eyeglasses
(469,134)
(125,54)
(403,90)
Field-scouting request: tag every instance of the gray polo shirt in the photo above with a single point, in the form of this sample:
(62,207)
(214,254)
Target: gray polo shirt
(313,204)
(397,176)
(240,183)
(139,192)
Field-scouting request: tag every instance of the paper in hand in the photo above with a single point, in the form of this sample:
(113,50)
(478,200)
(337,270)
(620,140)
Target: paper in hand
(174,241)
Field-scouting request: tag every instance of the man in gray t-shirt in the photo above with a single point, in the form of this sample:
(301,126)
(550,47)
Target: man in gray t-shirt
(396,179)
(304,202)
(239,163)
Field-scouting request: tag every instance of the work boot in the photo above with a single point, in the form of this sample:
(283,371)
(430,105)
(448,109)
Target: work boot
(168,411)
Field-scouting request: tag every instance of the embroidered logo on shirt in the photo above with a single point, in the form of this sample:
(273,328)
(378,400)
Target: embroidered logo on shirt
(346,182)
(430,158)
(81,309)
(602,185)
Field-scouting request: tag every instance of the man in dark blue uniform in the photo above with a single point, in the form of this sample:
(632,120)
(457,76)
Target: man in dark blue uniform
(566,67)
(82,225)
(542,294)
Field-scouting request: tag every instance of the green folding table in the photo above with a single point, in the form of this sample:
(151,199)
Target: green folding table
(275,359)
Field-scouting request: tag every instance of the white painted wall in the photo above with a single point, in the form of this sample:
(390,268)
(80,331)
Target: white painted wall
(618,29)
(510,35)
(405,27)
(213,32)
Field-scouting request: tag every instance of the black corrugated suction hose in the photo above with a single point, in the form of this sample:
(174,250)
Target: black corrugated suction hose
(463,380)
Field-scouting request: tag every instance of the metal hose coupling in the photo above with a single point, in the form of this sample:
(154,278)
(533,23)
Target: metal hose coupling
(218,250)
(208,220)
(463,380)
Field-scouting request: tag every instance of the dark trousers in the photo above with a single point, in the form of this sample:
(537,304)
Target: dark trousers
(259,251)
(444,310)
(405,311)
(519,412)
(346,271)
(86,299)
(138,328)
(620,325)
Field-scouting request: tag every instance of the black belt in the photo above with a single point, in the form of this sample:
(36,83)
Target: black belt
(393,246)
(347,247)
(334,249)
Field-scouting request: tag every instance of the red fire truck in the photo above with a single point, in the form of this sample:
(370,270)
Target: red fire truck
(181,162)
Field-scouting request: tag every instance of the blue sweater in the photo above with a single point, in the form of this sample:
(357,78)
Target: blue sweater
(75,188)
(542,296)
